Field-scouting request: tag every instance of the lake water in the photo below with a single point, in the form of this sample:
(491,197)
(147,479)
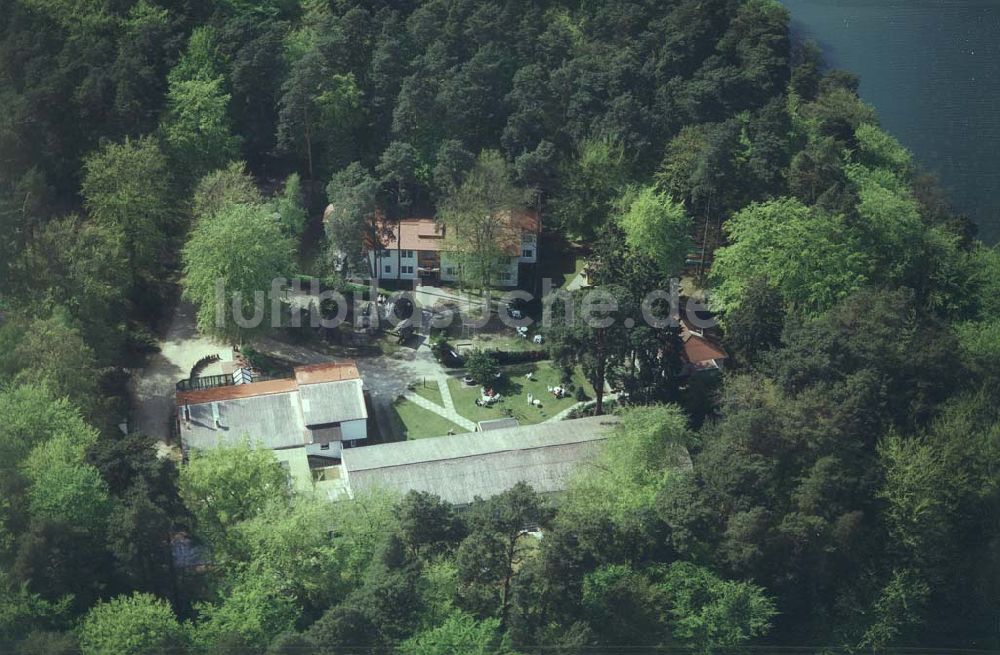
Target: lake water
(932,69)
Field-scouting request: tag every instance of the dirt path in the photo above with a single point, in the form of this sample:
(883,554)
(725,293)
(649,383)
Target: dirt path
(153,386)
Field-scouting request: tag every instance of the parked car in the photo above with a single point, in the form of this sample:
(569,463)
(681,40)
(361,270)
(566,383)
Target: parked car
(451,358)
(515,309)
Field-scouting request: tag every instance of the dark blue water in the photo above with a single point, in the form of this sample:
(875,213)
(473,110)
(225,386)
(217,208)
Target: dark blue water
(932,70)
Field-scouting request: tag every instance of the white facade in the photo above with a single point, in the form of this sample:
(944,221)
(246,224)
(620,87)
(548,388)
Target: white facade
(394,264)
(354,430)
(529,248)
(402,264)
(393,267)
(509,277)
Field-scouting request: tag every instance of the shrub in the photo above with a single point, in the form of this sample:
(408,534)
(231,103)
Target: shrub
(438,346)
(482,366)
(252,356)
(505,357)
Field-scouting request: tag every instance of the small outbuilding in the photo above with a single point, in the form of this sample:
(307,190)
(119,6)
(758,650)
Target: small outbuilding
(497,424)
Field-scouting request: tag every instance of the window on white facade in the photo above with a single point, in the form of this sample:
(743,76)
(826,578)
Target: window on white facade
(407,269)
(388,268)
(527,254)
(450,270)
(406,254)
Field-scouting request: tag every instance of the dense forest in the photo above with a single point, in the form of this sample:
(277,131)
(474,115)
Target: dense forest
(844,487)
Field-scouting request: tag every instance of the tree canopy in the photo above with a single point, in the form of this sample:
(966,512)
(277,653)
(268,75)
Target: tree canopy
(834,487)
(230,263)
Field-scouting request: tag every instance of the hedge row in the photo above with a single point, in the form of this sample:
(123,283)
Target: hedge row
(505,357)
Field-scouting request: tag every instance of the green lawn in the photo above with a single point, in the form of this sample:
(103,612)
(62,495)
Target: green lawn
(415,422)
(508,341)
(428,389)
(515,389)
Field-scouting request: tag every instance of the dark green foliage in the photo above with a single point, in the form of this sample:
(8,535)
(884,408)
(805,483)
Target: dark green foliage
(837,487)
(428,526)
(48,643)
(482,366)
(754,327)
(807,70)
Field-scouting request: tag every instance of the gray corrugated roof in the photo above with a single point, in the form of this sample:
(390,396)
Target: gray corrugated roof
(332,402)
(459,468)
(272,421)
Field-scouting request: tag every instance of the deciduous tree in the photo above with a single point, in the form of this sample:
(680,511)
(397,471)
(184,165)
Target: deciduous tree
(807,255)
(197,129)
(242,251)
(350,221)
(140,624)
(658,227)
(230,185)
(589,185)
(225,486)
(127,186)
(478,220)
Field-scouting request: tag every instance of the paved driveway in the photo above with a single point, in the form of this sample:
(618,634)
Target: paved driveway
(153,386)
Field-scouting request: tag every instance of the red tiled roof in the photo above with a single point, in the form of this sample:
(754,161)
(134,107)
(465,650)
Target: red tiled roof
(236,391)
(699,350)
(413,234)
(420,234)
(314,374)
(333,372)
(527,220)
(428,235)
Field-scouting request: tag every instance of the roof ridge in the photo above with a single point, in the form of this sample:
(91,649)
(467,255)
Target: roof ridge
(487,452)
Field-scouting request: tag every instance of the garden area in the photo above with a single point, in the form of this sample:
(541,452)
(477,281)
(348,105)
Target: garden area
(515,386)
(428,389)
(415,422)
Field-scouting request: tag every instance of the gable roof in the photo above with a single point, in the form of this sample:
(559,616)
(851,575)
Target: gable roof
(497,424)
(235,392)
(526,220)
(415,234)
(332,402)
(700,352)
(330,372)
(461,467)
(268,421)
(422,233)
